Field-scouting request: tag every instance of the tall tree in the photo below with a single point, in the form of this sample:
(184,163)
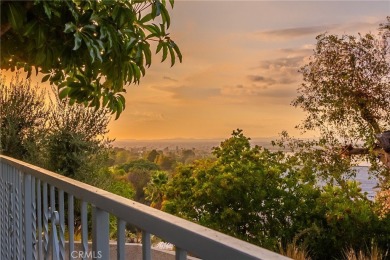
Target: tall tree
(75,135)
(89,49)
(155,189)
(67,139)
(22,116)
(346,93)
(247,192)
(272,199)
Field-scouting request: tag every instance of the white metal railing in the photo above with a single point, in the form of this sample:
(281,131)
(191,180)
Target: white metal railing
(34,222)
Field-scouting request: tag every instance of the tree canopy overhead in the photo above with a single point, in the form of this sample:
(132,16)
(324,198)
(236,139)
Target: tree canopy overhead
(89,49)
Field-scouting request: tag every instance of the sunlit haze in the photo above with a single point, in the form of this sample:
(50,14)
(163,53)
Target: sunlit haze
(239,70)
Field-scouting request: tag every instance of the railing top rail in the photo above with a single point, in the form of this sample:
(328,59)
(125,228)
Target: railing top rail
(204,242)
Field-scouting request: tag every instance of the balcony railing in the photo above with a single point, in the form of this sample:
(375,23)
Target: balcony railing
(37,216)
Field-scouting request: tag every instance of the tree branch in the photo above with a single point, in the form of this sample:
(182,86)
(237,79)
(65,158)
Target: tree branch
(349,150)
(381,154)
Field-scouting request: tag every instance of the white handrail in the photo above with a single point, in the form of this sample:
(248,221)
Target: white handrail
(186,236)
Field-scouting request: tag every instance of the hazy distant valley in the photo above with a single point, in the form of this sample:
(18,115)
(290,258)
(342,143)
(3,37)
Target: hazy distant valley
(204,145)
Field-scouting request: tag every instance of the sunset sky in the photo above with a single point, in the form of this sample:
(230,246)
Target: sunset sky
(239,70)
(240,67)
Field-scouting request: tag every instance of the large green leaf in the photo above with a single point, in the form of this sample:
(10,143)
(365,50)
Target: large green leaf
(177,50)
(165,52)
(159,46)
(165,16)
(30,27)
(15,14)
(45,78)
(173,57)
(77,41)
(147,53)
(70,27)
(146,18)
(63,93)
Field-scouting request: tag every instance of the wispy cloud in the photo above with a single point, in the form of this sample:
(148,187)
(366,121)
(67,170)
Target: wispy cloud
(170,79)
(288,33)
(370,25)
(261,79)
(145,116)
(279,71)
(260,91)
(185,92)
(282,63)
(303,51)
(296,32)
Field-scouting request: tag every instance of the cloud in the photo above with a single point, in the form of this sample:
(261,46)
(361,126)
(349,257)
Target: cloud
(303,51)
(190,92)
(138,116)
(256,78)
(288,93)
(255,90)
(296,32)
(170,79)
(371,24)
(261,79)
(273,80)
(185,92)
(241,90)
(288,33)
(279,71)
(282,63)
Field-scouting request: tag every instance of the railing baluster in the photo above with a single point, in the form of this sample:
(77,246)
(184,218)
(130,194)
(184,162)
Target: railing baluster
(52,199)
(100,233)
(2,206)
(84,228)
(19,213)
(34,217)
(7,218)
(23,218)
(146,246)
(54,219)
(71,224)
(13,214)
(45,221)
(39,219)
(61,209)
(180,254)
(121,236)
(28,216)
(20,199)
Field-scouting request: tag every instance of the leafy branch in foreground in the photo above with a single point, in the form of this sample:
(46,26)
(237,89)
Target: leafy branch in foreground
(89,49)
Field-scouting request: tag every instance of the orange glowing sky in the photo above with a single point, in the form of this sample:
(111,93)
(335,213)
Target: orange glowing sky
(239,70)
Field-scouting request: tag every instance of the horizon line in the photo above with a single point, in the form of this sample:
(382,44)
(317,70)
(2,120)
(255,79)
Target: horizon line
(189,139)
